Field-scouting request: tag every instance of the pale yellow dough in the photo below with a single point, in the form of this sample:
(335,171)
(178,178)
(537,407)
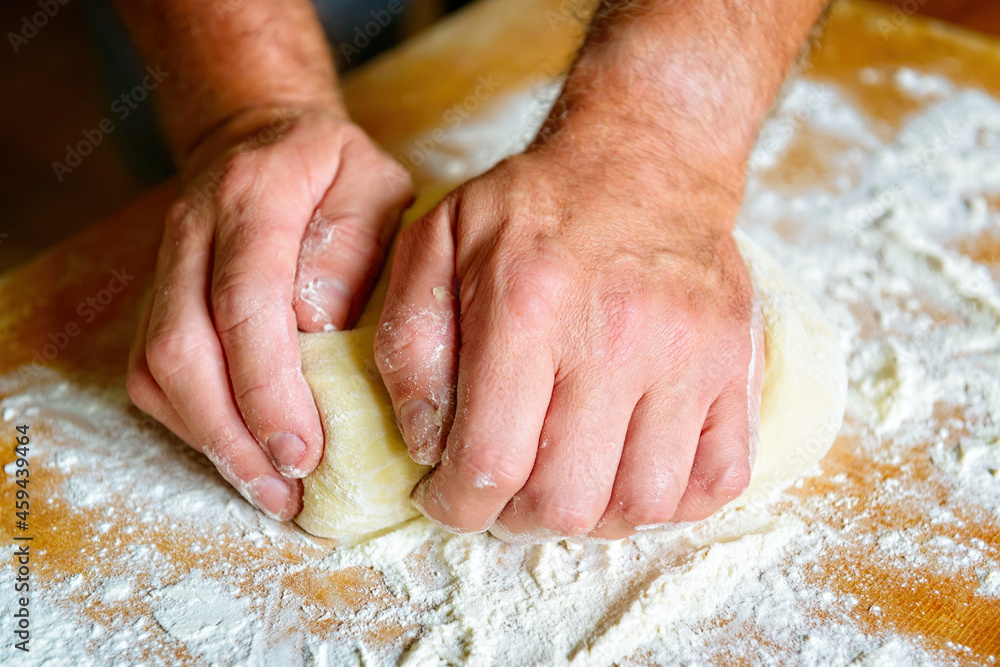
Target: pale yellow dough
(363,483)
(805,379)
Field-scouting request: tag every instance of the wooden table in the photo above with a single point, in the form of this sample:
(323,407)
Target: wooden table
(67,319)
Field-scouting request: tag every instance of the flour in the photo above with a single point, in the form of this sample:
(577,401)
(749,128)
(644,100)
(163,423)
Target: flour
(202,613)
(504,126)
(178,559)
(991,584)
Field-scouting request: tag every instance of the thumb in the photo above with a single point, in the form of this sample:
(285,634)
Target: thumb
(416,344)
(345,242)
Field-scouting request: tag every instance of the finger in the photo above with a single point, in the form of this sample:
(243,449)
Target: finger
(655,463)
(505,380)
(346,241)
(728,444)
(257,247)
(574,471)
(187,363)
(144,391)
(416,344)
(724,458)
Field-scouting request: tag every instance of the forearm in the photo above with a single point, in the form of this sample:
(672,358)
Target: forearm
(223,59)
(692,81)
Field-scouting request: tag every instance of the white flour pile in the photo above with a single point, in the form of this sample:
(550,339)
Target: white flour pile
(877,241)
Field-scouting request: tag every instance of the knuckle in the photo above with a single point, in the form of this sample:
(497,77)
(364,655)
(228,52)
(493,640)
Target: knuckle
(235,301)
(534,295)
(648,509)
(654,500)
(163,351)
(729,483)
(169,353)
(254,393)
(396,345)
(391,340)
(568,516)
(481,466)
(405,339)
(261,390)
(708,494)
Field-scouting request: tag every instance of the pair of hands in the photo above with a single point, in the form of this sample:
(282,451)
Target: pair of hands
(587,373)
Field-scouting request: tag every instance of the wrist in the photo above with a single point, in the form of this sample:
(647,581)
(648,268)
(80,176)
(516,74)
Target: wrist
(652,171)
(691,81)
(676,107)
(662,156)
(222,62)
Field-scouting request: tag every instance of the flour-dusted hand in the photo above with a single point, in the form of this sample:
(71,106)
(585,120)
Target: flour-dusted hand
(586,299)
(283,231)
(286,210)
(605,322)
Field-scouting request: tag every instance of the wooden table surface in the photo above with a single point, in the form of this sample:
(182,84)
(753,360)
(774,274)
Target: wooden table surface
(399,98)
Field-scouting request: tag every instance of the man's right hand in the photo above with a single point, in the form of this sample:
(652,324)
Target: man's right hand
(282,226)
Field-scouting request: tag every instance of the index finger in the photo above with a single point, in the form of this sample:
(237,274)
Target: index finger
(505,382)
(257,248)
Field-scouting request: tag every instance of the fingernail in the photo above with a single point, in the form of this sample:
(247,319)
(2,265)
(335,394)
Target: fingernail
(420,426)
(286,450)
(270,494)
(330,298)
